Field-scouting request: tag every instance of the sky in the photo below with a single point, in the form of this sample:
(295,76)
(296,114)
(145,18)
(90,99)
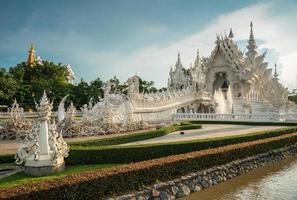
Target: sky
(103,38)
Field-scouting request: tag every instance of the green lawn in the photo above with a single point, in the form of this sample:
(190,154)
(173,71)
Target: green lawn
(21,178)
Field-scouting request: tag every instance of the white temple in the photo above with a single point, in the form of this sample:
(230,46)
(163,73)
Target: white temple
(228,81)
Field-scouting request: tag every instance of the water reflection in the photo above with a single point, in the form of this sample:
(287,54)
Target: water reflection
(274,182)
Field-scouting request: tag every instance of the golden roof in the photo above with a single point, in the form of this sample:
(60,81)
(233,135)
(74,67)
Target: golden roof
(31,56)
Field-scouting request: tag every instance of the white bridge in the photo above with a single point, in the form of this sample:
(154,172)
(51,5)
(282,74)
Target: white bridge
(273,117)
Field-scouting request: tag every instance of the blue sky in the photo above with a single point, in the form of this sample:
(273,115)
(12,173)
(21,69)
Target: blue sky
(105,38)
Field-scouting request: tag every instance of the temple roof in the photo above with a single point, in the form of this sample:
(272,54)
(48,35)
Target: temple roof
(31,56)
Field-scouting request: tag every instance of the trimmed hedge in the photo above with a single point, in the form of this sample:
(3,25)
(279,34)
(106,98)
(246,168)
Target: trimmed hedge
(99,184)
(138,136)
(245,123)
(128,154)
(8,158)
(121,139)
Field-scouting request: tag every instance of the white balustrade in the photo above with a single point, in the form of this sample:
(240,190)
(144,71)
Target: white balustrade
(7,115)
(271,117)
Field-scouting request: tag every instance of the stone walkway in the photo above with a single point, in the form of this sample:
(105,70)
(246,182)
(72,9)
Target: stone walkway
(208,131)
(11,146)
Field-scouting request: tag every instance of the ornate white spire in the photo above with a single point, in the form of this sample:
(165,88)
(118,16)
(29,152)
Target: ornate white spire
(275,75)
(197,60)
(178,62)
(251,43)
(231,35)
(45,108)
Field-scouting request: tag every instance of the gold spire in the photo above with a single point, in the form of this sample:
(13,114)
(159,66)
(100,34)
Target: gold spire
(31,57)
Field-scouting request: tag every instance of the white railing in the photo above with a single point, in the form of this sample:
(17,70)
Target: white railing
(273,117)
(7,115)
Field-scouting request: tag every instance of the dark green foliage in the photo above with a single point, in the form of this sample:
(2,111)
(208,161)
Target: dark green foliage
(128,154)
(7,158)
(27,83)
(146,86)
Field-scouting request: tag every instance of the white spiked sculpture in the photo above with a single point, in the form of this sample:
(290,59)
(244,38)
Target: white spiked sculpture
(44,150)
(61,109)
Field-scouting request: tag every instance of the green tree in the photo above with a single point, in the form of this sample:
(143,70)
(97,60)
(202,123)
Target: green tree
(146,86)
(80,94)
(95,90)
(8,89)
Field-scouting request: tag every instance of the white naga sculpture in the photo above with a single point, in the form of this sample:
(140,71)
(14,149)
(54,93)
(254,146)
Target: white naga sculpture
(44,149)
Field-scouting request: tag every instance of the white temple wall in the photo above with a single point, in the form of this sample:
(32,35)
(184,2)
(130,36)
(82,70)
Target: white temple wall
(155,117)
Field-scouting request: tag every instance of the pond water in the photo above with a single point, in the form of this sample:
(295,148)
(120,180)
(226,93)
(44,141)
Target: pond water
(277,181)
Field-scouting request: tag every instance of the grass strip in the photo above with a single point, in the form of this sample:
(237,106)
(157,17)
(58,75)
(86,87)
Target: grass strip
(21,178)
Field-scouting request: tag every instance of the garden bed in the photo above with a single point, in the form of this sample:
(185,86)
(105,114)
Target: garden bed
(116,180)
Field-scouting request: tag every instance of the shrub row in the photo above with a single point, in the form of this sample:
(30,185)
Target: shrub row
(245,123)
(138,136)
(8,158)
(121,139)
(117,180)
(128,154)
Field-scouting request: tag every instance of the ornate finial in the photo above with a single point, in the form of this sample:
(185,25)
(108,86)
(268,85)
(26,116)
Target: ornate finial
(44,108)
(197,61)
(178,59)
(251,44)
(31,57)
(15,111)
(275,75)
(251,31)
(231,35)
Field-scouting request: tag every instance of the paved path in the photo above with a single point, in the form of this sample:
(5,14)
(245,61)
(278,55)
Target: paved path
(207,131)
(11,146)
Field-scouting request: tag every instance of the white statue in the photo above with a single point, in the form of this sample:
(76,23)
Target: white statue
(107,88)
(44,150)
(61,109)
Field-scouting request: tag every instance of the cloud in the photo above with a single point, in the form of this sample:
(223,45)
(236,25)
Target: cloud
(277,33)
(274,29)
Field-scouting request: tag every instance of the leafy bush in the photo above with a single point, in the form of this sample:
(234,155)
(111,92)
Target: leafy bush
(9,158)
(99,184)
